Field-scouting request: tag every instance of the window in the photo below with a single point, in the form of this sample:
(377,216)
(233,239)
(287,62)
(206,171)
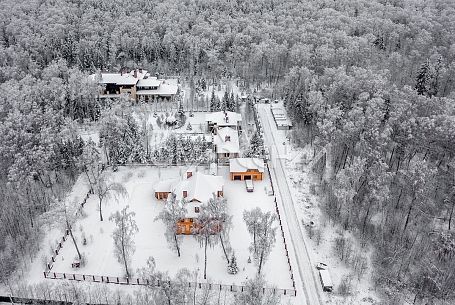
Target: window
(196,209)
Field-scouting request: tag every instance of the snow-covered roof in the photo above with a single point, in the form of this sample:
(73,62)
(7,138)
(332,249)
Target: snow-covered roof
(223,118)
(165,89)
(117,78)
(325,276)
(240,165)
(165,185)
(199,186)
(191,208)
(140,73)
(226,140)
(149,82)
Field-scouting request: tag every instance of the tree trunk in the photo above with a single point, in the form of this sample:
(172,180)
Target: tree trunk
(177,245)
(224,248)
(260,262)
(74,242)
(101,213)
(409,214)
(451,214)
(205,257)
(125,261)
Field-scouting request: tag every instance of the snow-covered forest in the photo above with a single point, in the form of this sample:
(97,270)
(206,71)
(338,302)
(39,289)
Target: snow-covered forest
(370,81)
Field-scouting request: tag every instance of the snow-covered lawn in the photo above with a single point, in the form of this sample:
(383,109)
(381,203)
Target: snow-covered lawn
(150,240)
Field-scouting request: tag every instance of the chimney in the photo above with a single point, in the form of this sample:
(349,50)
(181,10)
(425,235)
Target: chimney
(140,70)
(227,138)
(135,73)
(189,175)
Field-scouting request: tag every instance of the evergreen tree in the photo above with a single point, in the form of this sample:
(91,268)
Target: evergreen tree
(256,147)
(214,102)
(423,78)
(232,267)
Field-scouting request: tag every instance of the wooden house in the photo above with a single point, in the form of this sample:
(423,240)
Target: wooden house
(195,188)
(246,169)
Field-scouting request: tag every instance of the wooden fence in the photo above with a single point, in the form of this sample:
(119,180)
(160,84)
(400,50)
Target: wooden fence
(157,283)
(55,252)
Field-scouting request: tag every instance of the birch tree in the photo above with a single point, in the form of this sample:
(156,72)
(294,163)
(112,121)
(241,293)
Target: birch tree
(105,189)
(206,226)
(173,212)
(265,239)
(123,236)
(253,224)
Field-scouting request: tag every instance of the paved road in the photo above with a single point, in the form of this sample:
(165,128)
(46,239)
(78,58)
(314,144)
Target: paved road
(305,268)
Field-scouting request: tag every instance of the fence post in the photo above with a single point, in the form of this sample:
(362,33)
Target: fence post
(74,276)
(137,281)
(64,275)
(83,277)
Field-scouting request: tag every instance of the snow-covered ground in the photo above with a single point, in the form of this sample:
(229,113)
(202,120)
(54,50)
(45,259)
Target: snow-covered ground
(150,240)
(308,210)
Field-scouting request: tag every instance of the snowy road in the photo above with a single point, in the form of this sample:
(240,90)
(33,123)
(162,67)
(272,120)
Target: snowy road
(309,289)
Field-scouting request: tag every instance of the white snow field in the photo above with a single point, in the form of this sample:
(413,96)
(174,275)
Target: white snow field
(150,240)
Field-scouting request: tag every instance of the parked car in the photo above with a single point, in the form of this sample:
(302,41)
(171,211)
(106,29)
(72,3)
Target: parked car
(249,186)
(321,266)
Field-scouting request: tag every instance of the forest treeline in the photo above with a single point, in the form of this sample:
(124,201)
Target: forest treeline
(372,78)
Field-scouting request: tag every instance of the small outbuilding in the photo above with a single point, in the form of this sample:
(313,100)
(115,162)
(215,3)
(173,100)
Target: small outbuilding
(246,169)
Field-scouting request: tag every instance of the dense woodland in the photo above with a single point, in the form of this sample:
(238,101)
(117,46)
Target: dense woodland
(370,80)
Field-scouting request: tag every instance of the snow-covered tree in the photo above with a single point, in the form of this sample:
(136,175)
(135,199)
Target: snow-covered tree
(254,294)
(261,226)
(216,207)
(232,267)
(256,147)
(123,236)
(172,213)
(207,226)
(104,188)
(90,163)
(253,223)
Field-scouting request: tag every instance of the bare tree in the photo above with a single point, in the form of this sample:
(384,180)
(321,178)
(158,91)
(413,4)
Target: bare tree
(253,223)
(222,222)
(207,227)
(172,213)
(123,234)
(260,225)
(90,163)
(254,294)
(105,189)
